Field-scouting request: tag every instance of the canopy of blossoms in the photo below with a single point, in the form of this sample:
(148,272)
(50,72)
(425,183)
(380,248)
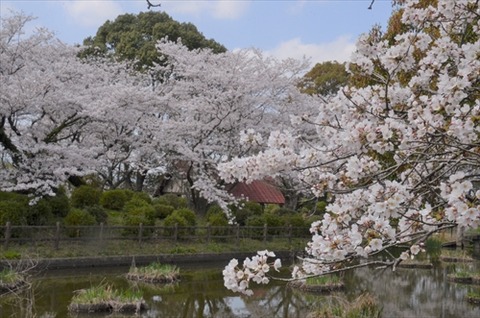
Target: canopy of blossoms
(397,152)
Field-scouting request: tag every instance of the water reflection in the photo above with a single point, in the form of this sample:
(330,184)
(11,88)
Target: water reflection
(200,293)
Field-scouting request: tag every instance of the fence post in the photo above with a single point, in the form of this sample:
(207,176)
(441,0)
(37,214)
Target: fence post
(265,233)
(8,233)
(140,230)
(56,242)
(101,233)
(289,234)
(238,235)
(175,232)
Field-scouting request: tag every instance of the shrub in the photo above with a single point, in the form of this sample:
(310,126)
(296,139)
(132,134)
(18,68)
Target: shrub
(218,219)
(273,220)
(188,215)
(243,213)
(98,213)
(141,215)
(14,209)
(300,226)
(254,207)
(213,210)
(271,208)
(135,202)
(174,200)
(257,221)
(78,217)
(142,196)
(40,213)
(59,203)
(163,210)
(84,196)
(284,211)
(173,219)
(114,199)
(13,212)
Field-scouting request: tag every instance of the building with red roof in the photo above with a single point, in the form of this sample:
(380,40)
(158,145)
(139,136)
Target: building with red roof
(260,191)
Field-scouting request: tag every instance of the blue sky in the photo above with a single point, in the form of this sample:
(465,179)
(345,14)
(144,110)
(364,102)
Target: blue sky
(318,29)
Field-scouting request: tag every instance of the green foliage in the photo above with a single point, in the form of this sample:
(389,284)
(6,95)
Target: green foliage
(60,203)
(40,213)
(173,219)
(284,211)
(213,210)
(218,220)
(247,210)
(298,223)
(142,196)
(135,202)
(272,208)
(323,280)
(188,215)
(140,215)
(13,212)
(216,217)
(324,79)
(273,220)
(105,296)
(13,196)
(365,306)
(154,273)
(114,199)
(183,250)
(254,207)
(11,254)
(162,210)
(98,212)
(14,208)
(173,200)
(256,221)
(84,196)
(79,217)
(133,37)
(433,246)
(321,207)
(9,276)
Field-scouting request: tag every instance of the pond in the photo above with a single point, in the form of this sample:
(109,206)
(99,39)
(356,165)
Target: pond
(404,293)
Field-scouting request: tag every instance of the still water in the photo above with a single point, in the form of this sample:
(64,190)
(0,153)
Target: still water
(404,293)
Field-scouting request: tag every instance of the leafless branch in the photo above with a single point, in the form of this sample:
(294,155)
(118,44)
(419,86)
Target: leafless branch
(151,5)
(371,5)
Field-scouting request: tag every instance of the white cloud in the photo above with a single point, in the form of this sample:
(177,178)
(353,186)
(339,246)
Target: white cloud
(219,9)
(92,13)
(339,50)
(230,9)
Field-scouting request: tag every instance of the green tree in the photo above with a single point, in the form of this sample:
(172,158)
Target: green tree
(133,37)
(324,79)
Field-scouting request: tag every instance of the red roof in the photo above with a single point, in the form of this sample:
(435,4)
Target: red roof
(258,191)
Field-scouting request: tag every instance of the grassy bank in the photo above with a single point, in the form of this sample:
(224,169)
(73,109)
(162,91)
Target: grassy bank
(127,247)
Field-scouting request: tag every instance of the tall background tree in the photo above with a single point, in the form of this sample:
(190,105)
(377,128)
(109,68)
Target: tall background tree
(134,37)
(324,79)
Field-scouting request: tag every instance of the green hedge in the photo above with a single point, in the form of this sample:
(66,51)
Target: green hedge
(84,196)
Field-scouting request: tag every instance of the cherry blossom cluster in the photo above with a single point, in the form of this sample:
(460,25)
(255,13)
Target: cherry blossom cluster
(397,153)
(238,278)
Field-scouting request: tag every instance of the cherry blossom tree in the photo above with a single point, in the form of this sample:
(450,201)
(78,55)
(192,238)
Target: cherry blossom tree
(213,102)
(398,154)
(56,110)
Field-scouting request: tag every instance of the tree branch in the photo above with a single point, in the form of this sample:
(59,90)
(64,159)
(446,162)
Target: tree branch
(151,5)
